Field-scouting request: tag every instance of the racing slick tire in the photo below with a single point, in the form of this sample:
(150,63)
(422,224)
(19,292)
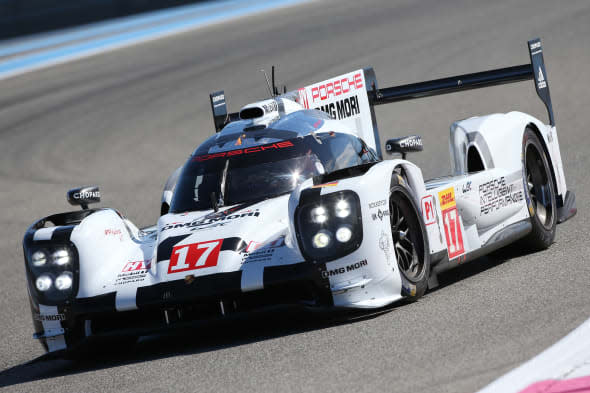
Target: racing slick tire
(410,241)
(539,189)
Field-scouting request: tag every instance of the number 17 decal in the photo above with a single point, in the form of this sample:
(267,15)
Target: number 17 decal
(453,232)
(194,256)
(451,223)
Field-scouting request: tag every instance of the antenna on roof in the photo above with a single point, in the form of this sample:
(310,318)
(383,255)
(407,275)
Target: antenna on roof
(272,87)
(275,90)
(267,83)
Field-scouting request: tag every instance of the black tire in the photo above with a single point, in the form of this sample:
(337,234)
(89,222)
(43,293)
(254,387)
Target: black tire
(539,189)
(410,241)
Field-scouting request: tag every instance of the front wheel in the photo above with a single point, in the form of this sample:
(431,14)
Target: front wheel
(540,195)
(410,242)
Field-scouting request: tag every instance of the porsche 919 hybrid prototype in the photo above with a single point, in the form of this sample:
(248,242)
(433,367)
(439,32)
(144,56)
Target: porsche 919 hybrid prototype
(290,203)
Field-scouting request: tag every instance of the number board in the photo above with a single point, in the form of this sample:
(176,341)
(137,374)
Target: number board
(194,256)
(450,216)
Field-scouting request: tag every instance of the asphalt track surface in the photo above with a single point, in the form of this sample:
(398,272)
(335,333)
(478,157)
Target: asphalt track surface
(126,119)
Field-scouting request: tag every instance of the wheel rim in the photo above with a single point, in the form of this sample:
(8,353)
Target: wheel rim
(539,187)
(405,240)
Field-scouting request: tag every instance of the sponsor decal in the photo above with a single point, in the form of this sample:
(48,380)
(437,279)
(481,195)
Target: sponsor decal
(385,246)
(447,198)
(218,98)
(49,317)
(346,269)
(86,194)
(342,109)
(452,224)
(114,232)
(380,214)
(541,80)
(133,271)
(303,98)
(535,45)
(411,142)
(428,210)
(262,252)
(212,220)
(336,87)
(496,194)
(331,184)
(194,256)
(249,150)
(466,187)
(263,255)
(133,266)
(253,246)
(373,205)
(270,107)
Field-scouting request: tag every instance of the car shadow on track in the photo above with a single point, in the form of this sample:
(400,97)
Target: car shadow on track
(247,330)
(487,262)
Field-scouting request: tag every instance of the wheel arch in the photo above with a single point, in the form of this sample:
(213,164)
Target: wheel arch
(413,178)
(533,127)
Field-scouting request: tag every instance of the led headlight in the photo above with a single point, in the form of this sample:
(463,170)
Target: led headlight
(343,234)
(321,239)
(329,226)
(43,283)
(319,215)
(63,282)
(60,257)
(53,271)
(39,258)
(342,209)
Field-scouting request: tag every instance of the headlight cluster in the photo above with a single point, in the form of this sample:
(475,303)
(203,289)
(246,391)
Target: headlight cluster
(330,227)
(52,270)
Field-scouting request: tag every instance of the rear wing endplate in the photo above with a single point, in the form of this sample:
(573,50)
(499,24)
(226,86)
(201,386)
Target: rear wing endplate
(535,70)
(219,109)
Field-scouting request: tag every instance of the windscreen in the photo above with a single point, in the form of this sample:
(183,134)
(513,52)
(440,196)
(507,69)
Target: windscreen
(260,172)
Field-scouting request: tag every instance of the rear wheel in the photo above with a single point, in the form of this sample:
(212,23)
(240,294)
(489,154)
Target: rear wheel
(410,242)
(540,194)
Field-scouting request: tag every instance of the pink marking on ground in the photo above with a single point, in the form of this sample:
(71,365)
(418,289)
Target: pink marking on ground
(574,385)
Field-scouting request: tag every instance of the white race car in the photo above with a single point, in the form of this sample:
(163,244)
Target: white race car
(291,203)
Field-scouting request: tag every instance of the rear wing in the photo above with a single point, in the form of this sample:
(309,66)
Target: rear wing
(351,97)
(535,70)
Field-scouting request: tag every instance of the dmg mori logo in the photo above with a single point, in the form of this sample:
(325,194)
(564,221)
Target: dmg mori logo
(341,270)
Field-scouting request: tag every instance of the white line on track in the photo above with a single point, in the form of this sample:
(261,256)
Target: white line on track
(34,53)
(563,366)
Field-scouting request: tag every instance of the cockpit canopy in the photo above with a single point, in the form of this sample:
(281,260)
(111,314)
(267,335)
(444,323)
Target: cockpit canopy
(258,172)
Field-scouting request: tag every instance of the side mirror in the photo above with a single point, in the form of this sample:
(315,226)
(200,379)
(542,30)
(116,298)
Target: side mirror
(84,196)
(404,145)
